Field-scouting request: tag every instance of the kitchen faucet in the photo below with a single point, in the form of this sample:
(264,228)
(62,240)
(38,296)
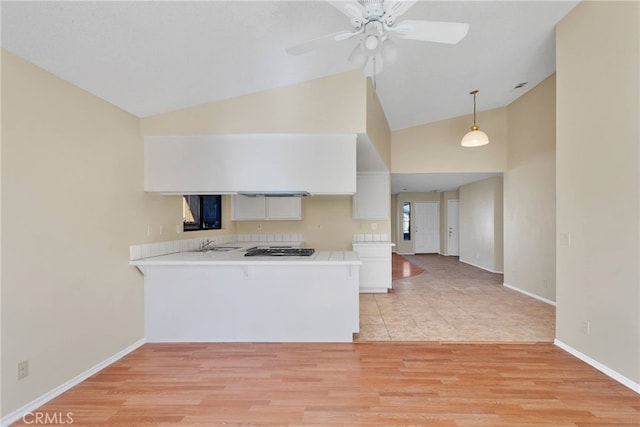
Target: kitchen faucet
(207,244)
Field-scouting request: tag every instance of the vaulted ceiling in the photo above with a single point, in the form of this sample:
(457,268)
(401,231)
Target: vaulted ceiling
(149,57)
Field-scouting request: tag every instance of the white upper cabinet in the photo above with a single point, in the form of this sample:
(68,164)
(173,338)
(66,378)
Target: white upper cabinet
(372,198)
(228,164)
(284,207)
(247,208)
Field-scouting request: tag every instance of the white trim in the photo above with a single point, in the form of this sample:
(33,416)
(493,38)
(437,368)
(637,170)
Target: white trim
(529,294)
(599,366)
(481,267)
(38,402)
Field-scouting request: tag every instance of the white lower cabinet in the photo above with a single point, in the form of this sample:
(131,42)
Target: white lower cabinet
(375,271)
(258,208)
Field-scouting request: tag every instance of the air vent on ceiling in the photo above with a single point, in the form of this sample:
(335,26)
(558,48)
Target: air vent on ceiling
(519,85)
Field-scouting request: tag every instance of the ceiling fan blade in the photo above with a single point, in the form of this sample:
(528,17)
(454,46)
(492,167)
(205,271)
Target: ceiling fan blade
(432,31)
(319,42)
(395,9)
(351,8)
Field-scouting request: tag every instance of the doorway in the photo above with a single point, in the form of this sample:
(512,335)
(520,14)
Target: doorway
(427,228)
(453,227)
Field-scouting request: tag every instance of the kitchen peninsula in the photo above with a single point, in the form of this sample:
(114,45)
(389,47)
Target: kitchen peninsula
(225,296)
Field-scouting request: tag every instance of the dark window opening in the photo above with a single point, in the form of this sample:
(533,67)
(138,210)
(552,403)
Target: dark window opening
(202,212)
(406,220)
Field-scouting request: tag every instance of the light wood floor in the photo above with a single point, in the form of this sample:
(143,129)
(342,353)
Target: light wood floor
(402,268)
(360,384)
(439,298)
(370,383)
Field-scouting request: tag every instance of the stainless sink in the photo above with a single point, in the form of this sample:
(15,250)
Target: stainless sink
(219,249)
(222,248)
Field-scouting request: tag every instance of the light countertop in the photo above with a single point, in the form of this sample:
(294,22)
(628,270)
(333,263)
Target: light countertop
(374,243)
(236,257)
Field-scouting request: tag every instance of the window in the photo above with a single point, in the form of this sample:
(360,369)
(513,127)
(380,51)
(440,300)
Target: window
(201,212)
(406,220)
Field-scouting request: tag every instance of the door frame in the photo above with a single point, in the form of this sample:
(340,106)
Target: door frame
(448,227)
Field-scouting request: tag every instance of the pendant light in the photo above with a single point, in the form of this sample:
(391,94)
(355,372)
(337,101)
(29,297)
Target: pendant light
(476,137)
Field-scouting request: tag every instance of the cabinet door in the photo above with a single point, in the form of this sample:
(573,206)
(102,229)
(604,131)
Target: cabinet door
(371,200)
(375,271)
(248,208)
(284,207)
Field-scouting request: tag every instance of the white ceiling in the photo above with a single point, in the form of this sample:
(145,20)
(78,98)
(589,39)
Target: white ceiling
(149,57)
(434,182)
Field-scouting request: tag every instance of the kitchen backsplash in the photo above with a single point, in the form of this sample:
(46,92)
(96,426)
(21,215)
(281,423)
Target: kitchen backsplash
(163,248)
(369,237)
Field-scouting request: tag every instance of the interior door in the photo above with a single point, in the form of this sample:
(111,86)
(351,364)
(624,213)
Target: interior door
(427,228)
(453,227)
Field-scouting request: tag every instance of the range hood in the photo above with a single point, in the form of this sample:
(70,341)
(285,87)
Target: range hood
(275,193)
(271,165)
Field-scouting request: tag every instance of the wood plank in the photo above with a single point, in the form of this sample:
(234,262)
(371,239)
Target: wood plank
(349,384)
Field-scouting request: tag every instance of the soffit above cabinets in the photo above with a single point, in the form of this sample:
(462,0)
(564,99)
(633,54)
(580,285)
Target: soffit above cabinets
(256,163)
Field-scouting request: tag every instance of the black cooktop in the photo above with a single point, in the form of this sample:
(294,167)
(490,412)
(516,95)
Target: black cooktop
(282,251)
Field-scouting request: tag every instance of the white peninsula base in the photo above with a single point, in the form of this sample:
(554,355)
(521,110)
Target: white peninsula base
(256,302)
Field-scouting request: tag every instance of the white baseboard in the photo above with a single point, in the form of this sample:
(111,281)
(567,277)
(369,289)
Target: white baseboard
(35,404)
(599,366)
(529,294)
(481,267)
(373,290)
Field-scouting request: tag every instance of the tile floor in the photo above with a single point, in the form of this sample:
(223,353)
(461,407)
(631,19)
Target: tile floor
(451,301)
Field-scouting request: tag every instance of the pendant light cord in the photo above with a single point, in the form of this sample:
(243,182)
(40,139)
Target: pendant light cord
(473,92)
(374,73)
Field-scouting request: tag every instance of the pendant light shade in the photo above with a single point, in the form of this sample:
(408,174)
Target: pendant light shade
(476,137)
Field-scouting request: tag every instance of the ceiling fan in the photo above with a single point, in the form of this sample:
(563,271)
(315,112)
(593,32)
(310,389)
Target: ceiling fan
(373,23)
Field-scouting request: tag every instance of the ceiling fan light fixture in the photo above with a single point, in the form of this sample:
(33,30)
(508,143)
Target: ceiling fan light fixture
(372,21)
(371,43)
(357,57)
(476,137)
(389,51)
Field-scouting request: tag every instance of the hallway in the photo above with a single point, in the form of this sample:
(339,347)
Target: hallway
(453,302)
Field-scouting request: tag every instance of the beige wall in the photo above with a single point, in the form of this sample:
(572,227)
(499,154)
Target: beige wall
(326,225)
(481,238)
(598,183)
(529,192)
(435,147)
(338,106)
(377,127)
(72,195)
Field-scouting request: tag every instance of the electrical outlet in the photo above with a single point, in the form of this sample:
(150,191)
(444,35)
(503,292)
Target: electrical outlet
(23,369)
(161,230)
(374,225)
(585,326)
(545,283)
(564,239)
(149,230)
